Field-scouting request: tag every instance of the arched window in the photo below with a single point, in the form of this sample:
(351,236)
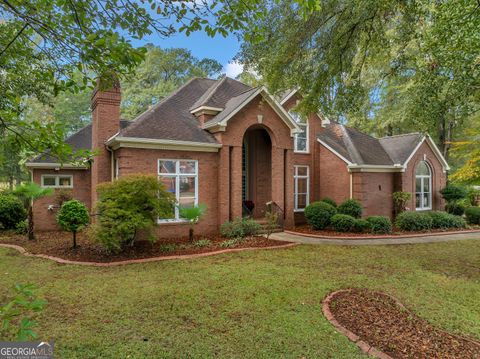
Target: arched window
(423,186)
(300,139)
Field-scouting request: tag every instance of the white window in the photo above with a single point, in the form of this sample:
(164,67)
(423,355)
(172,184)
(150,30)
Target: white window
(116,167)
(180,177)
(300,139)
(57,181)
(423,187)
(301,188)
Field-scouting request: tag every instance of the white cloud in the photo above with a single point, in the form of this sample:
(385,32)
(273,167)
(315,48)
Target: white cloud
(233,69)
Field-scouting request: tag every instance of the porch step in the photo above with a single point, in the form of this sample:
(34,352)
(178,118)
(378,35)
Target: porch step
(264,223)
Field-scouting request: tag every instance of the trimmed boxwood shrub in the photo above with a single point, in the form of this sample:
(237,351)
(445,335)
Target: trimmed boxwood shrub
(414,221)
(319,214)
(452,193)
(12,211)
(361,226)
(473,215)
(351,207)
(443,220)
(457,208)
(380,224)
(329,201)
(342,222)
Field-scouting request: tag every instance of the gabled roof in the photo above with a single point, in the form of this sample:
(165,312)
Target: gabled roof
(400,147)
(220,93)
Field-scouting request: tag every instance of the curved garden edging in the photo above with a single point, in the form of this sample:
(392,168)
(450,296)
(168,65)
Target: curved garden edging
(387,236)
(363,345)
(140,260)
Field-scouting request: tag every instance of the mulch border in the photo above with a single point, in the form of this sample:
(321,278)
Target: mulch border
(364,346)
(387,236)
(141,260)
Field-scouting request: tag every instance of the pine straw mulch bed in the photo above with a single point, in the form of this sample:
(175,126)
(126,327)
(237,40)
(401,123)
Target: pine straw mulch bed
(383,322)
(59,244)
(307,229)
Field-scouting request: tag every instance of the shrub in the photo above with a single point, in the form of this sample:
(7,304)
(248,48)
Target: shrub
(414,221)
(457,208)
(342,222)
(272,222)
(361,226)
(453,193)
(12,211)
(351,207)
(21,227)
(445,220)
(193,215)
(319,214)
(239,228)
(473,196)
(230,243)
(329,201)
(380,224)
(128,205)
(400,200)
(473,215)
(202,243)
(72,217)
(168,247)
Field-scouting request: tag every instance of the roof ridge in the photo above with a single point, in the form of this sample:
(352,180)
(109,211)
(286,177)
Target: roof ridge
(402,134)
(208,94)
(349,143)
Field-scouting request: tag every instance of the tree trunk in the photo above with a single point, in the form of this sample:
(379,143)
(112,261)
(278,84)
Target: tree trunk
(441,132)
(74,239)
(190,234)
(31,235)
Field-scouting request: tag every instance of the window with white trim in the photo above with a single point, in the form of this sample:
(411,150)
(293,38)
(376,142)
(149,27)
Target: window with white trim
(423,187)
(301,188)
(57,181)
(180,177)
(300,139)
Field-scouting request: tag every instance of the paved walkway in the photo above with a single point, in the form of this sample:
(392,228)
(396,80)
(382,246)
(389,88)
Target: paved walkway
(289,237)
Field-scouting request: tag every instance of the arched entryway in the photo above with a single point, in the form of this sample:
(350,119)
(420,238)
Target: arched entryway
(256,171)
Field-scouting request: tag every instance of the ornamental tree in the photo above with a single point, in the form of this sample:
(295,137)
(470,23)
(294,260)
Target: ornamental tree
(72,217)
(193,214)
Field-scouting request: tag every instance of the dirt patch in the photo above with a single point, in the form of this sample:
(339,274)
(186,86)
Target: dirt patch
(385,324)
(59,244)
(306,229)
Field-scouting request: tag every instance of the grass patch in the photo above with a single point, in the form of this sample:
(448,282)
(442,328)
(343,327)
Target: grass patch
(262,304)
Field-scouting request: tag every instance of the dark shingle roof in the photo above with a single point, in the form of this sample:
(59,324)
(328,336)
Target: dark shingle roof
(400,147)
(80,140)
(220,93)
(362,149)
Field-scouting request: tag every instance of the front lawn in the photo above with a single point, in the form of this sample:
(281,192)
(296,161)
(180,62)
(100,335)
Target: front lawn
(264,304)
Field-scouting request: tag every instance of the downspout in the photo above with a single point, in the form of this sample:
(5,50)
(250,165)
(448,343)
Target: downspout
(112,164)
(351,185)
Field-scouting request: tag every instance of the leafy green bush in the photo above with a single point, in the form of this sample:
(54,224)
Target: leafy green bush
(342,222)
(239,228)
(72,217)
(129,205)
(202,243)
(361,226)
(457,208)
(400,200)
(230,243)
(351,207)
(319,214)
(443,220)
(22,227)
(329,201)
(473,196)
(12,211)
(168,247)
(473,215)
(414,221)
(452,193)
(380,224)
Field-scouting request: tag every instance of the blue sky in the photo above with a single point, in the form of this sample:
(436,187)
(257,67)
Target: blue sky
(219,48)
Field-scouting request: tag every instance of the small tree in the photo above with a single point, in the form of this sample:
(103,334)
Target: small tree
(400,200)
(29,192)
(193,215)
(72,217)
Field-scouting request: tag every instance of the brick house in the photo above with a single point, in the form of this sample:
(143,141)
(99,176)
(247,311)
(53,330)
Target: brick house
(227,145)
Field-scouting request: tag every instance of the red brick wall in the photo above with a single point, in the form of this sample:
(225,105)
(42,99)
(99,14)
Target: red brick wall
(374,190)
(45,220)
(439,178)
(334,176)
(145,161)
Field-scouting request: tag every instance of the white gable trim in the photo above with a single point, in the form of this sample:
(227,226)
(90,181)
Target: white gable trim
(288,97)
(336,153)
(280,111)
(435,149)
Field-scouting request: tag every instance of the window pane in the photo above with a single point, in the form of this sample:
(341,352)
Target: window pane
(301,171)
(49,181)
(301,185)
(426,185)
(301,144)
(169,183)
(65,181)
(187,202)
(187,186)
(422,169)
(166,166)
(188,167)
(301,201)
(426,200)
(417,200)
(418,184)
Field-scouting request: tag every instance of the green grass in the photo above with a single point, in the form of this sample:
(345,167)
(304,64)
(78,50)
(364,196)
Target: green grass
(263,304)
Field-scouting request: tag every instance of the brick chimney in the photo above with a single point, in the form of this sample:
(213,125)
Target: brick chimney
(105,106)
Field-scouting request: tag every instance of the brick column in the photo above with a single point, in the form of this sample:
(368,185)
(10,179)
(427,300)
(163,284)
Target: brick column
(288,207)
(278,176)
(224,185)
(236,182)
